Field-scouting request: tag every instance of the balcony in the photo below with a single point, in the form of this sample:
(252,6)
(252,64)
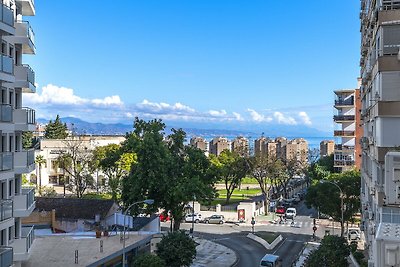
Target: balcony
(25,36)
(24,203)
(6,256)
(6,161)
(344,133)
(343,118)
(28,7)
(7,69)
(24,161)
(344,102)
(6,214)
(6,113)
(343,148)
(342,163)
(25,78)
(6,20)
(23,245)
(24,119)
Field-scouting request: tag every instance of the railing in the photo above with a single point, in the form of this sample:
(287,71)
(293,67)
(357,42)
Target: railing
(30,74)
(30,196)
(228,208)
(6,161)
(6,210)
(344,163)
(29,31)
(208,208)
(6,256)
(343,133)
(7,15)
(7,64)
(22,245)
(30,115)
(390,5)
(343,117)
(30,157)
(344,102)
(6,114)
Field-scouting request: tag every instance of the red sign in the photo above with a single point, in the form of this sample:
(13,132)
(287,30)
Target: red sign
(241,215)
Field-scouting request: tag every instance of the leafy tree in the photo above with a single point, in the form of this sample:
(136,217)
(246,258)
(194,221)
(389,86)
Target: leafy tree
(28,141)
(167,171)
(148,260)
(39,160)
(326,197)
(56,129)
(231,169)
(332,252)
(177,249)
(77,162)
(115,164)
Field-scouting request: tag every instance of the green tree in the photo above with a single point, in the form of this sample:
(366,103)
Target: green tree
(114,164)
(231,169)
(78,164)
(28,141)
(168,171)
(56,129)
(327,198)
(39,160)
(148,260)
(177,249)
(332,252)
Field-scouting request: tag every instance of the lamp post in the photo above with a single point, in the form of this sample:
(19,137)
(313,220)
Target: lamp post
(148,202)
(341,203)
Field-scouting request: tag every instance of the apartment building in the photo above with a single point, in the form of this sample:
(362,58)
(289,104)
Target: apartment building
(200,143)
(219,144)
(326,148)
(348,130)
(280,147)
(265,147)
(240,145)
(296,149)
(16,78)
(380,93)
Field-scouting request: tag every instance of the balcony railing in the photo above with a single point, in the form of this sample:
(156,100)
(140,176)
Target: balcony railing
(6,210)
(343,117)
(7,15)
(22,245)
(26,30)
(7,64)
(24,203)
(344,102)
(390,4)
(342,147)
(344,163)
(343,133)
(24,159)
(6,113)
(6,256)
(6,161)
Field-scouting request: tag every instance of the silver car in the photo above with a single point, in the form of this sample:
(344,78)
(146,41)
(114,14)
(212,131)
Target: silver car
(217,219)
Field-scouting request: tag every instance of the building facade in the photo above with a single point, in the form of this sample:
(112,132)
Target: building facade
(296,149)
(348,130)
(380,93)
(200,143)
(16,79)
(240,145)
(326,148)
(219,144)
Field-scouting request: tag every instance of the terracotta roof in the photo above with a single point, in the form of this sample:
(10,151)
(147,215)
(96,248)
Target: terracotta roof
(75,208)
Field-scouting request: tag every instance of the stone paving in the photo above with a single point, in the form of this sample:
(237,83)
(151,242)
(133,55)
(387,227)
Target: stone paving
(211,254)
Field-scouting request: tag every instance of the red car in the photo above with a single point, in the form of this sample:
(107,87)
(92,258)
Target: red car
(280,210)
(164,217)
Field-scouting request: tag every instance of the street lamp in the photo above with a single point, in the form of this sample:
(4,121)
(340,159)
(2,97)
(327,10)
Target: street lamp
(146,201)
(341,202)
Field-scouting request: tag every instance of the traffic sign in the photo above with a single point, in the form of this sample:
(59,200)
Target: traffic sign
(314,228)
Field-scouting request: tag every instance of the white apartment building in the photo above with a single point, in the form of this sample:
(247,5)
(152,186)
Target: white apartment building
(17,39)
(380,92)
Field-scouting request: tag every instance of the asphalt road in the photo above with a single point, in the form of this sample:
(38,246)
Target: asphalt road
(290,247)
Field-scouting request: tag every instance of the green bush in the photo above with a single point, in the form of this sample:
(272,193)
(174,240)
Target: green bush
(148,260)
(177,249)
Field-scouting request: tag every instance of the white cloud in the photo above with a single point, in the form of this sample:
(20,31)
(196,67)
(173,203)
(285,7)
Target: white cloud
(238,117)
(255,116)
(217,113)
(114,100)
(163,108)
(282,119)
(305,118)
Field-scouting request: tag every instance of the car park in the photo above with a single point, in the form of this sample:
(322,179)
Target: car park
(217,219)
(196,217)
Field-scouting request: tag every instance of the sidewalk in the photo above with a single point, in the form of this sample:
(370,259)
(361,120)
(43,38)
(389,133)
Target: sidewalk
(211,254)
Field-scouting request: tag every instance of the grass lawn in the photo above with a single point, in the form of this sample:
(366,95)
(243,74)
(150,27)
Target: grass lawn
(240,193)
(249,180)
(267,236)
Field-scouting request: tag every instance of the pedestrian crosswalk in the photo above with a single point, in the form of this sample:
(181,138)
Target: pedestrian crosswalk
(296,224)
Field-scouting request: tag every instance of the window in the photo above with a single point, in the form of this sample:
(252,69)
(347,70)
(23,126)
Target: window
(4,48)
(53,179)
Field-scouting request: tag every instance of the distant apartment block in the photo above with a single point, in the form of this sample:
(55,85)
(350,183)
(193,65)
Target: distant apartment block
(280,147)
(296,149)
(348,129)
(17,39)
(240,145)
(265,147)
(380,94)
(326,148)
(219,144)
(199,143)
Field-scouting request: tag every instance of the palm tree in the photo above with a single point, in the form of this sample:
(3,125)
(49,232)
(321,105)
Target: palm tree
(39,161)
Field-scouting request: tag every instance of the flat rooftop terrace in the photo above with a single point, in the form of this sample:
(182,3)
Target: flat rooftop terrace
(59,250)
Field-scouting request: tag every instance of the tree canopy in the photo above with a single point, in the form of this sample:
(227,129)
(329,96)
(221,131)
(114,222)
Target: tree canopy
(177,249)
(56,129)
(148,260)
(332,252)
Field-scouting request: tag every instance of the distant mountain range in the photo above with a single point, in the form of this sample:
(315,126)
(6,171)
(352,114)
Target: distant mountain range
(198,129)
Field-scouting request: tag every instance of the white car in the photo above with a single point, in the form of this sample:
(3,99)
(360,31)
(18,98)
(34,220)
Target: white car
(290,213)
(196,217)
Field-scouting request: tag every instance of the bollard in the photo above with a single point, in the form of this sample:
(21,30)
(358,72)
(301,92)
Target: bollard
(76,256)
(101,246)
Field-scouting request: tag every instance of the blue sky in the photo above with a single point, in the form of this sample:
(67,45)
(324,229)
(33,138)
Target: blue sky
(233,62)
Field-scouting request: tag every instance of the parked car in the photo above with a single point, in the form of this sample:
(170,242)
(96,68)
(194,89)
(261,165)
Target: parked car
(218,219)
(354,234)
(196,217)
(290,213)
(270,260)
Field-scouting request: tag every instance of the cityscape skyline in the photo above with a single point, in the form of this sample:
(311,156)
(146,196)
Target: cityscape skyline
(217,66)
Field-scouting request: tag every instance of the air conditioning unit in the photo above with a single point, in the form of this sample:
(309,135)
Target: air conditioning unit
(392,178)
(372,191)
